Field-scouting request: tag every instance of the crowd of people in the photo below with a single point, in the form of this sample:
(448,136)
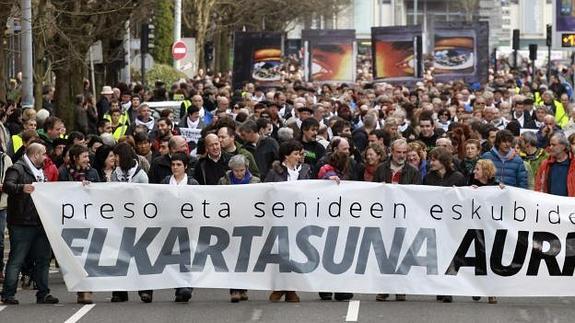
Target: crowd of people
(506,132)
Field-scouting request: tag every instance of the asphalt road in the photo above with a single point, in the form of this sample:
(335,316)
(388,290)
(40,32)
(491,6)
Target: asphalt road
(212,305)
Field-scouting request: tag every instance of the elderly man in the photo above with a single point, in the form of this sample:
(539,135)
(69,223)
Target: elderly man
(396,170)
(214,164)
(557,173)
(548,129)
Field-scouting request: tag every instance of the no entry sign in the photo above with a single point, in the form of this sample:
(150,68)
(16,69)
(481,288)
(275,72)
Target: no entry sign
(179,50)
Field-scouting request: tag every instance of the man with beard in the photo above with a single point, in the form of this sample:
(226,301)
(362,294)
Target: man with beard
(557,173)
(396,171)
(164,132)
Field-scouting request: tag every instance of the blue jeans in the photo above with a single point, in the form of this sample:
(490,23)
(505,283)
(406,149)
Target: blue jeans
(24,240)
(2,229)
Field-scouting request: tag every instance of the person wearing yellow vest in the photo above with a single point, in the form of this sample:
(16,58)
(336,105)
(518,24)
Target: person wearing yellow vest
(119,123)
(124,118)
(548,100)
(17,141)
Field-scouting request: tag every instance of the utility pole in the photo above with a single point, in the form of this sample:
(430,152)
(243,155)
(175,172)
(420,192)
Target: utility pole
(177,26)
(27,68)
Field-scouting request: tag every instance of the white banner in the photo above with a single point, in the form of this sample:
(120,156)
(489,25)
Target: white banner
(311,236)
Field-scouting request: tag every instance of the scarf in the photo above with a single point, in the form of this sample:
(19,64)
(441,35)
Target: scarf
(38,173)
(78,175)
(149,124)
(368,173)
(184,180)
(127,176)
(246,180)
(293,174)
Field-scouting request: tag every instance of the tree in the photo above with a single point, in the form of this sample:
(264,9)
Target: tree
(5,10)
(164,31)
(77,25)
(208,18)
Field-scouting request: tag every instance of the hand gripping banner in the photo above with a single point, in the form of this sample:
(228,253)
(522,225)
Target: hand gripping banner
(311,236)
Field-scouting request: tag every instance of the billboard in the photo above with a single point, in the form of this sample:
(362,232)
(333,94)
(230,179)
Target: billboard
(461,51)
(257,58)
(329,55)
(563,24)
(396,53)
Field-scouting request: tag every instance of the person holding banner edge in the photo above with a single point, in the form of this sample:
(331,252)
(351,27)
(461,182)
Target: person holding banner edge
(24,226)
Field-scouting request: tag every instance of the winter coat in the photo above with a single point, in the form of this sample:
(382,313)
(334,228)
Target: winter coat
(279,173)
(451,178)
(191,180)
(91,175)
(409,175)
(225,180)
(510,168)
(542,177)
(21,209)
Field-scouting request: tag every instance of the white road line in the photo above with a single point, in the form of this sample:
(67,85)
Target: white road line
(257,314)
(3,307)
(81,312)
(352,311)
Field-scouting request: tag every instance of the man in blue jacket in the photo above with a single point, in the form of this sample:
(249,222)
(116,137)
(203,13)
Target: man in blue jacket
(510,168)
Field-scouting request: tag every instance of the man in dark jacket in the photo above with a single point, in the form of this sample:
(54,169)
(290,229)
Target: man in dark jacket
(264,149)
(161,165)
(26,232)
(395,170)
(214,165)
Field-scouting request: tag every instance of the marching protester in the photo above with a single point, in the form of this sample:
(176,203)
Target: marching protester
(78,170)
(128,171)
(288,169)
(25,228)
(180,162)
(239,173)
(448,133)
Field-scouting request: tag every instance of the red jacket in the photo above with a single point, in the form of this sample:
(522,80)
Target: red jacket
(542,177)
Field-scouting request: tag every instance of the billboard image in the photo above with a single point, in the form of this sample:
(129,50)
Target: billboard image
(267,65)
(454,55)
(329,55)
(461,52)
(257,58)
(395,52)
(332,62)
(564,24)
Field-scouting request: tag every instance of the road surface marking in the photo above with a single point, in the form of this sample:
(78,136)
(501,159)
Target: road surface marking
(257,314)
(352,311)
(81,312)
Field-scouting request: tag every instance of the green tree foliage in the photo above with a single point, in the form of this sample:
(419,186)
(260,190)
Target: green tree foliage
(162,72)
(164,31)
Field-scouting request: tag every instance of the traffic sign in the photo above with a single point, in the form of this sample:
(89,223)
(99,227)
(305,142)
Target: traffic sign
(179,50)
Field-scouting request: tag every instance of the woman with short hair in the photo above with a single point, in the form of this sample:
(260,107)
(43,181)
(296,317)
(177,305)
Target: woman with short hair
(239,173)
(288,168)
